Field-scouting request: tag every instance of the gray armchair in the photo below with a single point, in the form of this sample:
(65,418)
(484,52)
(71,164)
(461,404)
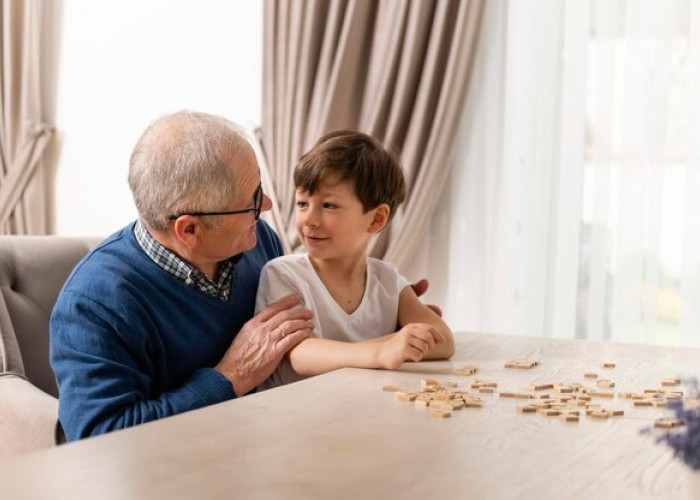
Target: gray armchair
(32,272)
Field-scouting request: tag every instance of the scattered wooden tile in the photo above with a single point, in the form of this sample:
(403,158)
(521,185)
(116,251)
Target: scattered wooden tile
(601,394)
(577,402)
(466,370)
(603,382)
(391,388)
(569,417)
(448,384)
(670,381)
(521,363)
(590,375)
(668,423)
(456,404)
(674,394)
(526,408)
(539,387)
(440,414)
(473,403)
(608,364)
(405,396)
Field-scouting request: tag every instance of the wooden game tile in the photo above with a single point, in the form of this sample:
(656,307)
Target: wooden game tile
(526,408)
(668,423)
(539,387)
(521,363)
(440,414)
(466,370)
(448,384)
(405,396)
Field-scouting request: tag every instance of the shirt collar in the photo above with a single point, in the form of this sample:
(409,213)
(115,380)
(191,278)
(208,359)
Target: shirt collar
(183,270)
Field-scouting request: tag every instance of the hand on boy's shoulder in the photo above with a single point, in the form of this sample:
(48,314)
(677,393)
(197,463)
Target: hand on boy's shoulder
(420,287)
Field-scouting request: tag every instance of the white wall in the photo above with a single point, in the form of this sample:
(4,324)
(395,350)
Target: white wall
(120,65)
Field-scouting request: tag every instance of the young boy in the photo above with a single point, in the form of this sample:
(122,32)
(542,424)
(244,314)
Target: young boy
(348,187)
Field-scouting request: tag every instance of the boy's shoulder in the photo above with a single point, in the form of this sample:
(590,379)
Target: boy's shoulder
(288,263)
(381,267)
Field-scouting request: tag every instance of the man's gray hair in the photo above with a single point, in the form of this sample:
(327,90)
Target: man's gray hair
(181,164)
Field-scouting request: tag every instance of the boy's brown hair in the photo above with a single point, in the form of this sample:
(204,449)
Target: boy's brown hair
(374,171)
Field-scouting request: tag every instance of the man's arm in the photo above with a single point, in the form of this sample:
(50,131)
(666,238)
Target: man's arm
(105,374)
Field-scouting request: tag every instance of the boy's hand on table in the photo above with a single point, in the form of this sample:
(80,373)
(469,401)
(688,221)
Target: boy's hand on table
(420,287)
(411,343)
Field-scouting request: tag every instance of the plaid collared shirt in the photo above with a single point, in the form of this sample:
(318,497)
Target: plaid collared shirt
(184,271)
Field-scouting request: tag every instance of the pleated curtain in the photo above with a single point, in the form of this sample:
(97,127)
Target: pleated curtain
(23,135)
(398,70)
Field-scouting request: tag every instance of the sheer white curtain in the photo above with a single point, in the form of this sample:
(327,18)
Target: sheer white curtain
(572,207)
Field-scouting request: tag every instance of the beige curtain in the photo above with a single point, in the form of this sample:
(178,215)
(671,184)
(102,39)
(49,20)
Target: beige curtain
(23,136)
(396,69)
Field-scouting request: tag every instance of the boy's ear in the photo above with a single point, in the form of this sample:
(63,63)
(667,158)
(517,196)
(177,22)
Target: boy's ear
(381,216)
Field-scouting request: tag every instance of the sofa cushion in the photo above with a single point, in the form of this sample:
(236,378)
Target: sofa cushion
(28,417)
(10,357)
(32,272)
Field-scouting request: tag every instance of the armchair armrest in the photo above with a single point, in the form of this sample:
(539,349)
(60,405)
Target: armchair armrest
(28,417)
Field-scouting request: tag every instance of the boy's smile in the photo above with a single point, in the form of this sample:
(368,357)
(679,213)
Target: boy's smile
(332,224)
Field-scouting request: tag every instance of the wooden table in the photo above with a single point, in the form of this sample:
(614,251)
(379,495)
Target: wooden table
(340,436)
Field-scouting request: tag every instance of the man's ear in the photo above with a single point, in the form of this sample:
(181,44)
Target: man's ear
(381,216)
(187,229)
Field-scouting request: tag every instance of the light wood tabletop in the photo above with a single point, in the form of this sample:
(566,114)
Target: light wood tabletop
(340,436)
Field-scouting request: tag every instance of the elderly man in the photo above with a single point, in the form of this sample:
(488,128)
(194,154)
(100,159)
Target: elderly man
(156,320)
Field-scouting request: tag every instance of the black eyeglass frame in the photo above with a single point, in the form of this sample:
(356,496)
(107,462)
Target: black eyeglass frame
(257,201)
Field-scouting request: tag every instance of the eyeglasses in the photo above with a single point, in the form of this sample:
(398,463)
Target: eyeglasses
(256,208)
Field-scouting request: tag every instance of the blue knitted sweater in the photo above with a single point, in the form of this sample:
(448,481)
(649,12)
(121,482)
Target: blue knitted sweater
(130,343)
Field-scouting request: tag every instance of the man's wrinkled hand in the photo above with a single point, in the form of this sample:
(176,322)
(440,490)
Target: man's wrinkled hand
(262,343)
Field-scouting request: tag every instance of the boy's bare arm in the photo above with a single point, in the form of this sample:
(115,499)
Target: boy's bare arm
(315,356)
(412,310)
(413,342)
